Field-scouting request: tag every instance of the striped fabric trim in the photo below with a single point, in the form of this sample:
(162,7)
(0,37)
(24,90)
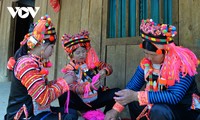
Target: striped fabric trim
(173,94)
(27,71)
(137,81)
(36,80)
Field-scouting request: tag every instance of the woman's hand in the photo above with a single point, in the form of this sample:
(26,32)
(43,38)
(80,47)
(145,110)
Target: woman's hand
(96,85)
(126,96)
(102,73)
(111,115)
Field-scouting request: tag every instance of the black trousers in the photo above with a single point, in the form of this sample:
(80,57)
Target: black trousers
(72,115)
(164,112)
(105,98)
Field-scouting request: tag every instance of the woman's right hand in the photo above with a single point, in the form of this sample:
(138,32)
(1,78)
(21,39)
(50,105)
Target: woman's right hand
(96,85)
(111,115)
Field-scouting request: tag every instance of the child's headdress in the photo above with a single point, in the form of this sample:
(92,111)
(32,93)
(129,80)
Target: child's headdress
(72,42)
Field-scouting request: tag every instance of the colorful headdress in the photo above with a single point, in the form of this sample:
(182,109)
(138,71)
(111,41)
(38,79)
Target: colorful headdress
(157,33)
(177,59)
(72,42)
(43,32)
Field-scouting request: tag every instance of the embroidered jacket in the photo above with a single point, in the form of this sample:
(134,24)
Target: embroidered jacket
(180,93)
(31,88)
(83,76)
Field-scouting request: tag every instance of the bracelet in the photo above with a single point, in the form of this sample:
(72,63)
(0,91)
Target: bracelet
(118,107)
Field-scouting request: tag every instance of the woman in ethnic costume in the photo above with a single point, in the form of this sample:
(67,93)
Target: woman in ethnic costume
(168,72)
(85,71)
(31,93)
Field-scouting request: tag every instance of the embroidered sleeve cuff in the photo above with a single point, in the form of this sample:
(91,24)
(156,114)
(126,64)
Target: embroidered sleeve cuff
(107,71)
(118,107)
(143,97)
(63,84)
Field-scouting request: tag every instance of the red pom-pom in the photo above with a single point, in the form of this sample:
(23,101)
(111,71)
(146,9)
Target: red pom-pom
(51,38)
(96,64)
(49,64)
(141,46)
(63,70)
(11,63)
(158,51)
(44,71)
(76,67)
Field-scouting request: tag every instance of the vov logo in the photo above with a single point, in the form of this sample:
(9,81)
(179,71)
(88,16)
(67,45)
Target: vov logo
(19,10)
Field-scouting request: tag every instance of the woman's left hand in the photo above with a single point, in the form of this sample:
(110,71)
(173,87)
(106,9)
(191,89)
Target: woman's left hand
(102,73)
(126,96)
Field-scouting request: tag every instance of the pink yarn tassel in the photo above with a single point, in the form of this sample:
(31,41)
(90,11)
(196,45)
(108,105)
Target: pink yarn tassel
(94,80)
(92,58)
(86,90)
(67,102)
(178,59)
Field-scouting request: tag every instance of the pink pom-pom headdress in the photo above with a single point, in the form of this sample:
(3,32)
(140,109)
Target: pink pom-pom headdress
(157,33)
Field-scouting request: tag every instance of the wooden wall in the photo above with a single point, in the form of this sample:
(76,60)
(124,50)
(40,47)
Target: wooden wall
(123,54)
(74,16)
(5,32)
(189,27)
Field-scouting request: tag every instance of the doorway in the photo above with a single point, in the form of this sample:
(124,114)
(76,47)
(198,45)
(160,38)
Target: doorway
(19,27)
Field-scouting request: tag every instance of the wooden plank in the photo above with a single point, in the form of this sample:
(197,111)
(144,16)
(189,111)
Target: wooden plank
(124,20)
(189,28)
(85,14)
(155,10)
(133,57)
(132,7)
(127,19)
(148,9)
(137,18)
(169,8)
(43,8)
(196,36)
(116,57)
(95,21)
(165,10)
(70,23)
(1,2)
(75,16)
(175,18)
(63,28)
(124,41)
(55,19)
(5,28)
(119,18)
(185,22)
(104,28)
(112,17)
